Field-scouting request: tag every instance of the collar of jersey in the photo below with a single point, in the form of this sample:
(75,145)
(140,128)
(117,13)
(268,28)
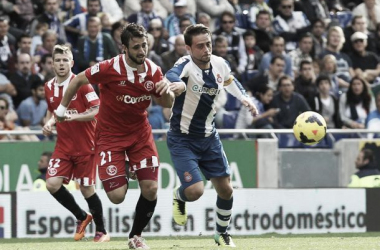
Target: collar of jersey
(65,82)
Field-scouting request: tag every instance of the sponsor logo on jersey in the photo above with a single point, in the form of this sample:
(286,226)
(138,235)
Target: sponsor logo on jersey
(114,184)
(188,177)
(71,111)
(133,100)
(91,96)
(219,78)
(111,170)
(74,97)
(95,69)
(122,83)
(149,85)
(52,171)
(205,90)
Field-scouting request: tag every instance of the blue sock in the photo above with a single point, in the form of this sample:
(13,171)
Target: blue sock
(223,214)
(180,195)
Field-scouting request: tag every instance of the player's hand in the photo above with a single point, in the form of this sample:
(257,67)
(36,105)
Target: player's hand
(177,87)
(47,129)
(162,87)
(251,107)
(59,118)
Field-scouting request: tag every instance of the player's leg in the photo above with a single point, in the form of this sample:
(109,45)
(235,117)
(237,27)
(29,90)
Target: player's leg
(214,166)
(184,154)
(111,168)
(59,172)
(85,173)
(143,160)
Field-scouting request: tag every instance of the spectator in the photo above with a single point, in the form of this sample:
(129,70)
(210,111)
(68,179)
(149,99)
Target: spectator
(318,30)
(204,18)
(269,77)
(370,10)
(335,41)
(358,24)
(277,48)
(23,79)
(7,90)
(317,9)
(151,53)
(49,40)
(368,176)
(172,21)
(106,23)
(365,63)
(326,103)
(304,52)
(145,15)
(356,104)
(169,58)
(236,45)
(117,28)
(50,16)
(7,123)
(23,13)
(94,47)
(24,44)
(254,55)
(291,104)
(41,28)
(373,119)
(77,25)
(46,68)
(290,24)
(305,82)
(263,30)
(328,67)
(213,8)
(160,44)
(7,49)
(221,49)
(184,22)
(256,6)
(160,7)
(31,111)
(39,183)
(262,99)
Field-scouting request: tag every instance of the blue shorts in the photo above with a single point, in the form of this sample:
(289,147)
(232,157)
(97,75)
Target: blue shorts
(192,155)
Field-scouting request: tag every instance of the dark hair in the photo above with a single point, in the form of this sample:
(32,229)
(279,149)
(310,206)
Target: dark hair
(194,30)
(274,58)
(130,31)
(47,34)
(249,33)
(353,21)
(365,96)
(2,98)
(262,89)
(276,38)
(305,62)
(321,78)
(115,27)
(282,78)
(37,84)
(305,35)
(367,154)
(183,19)
(262,12)
(227,13)
(24,35)
(220,39)
(48,154)
(318,20)
(100,3)
(44,57)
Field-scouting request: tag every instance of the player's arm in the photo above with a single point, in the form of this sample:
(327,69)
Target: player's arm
(234,87)
(166,98)
(174,76)
(85,116)
(49,123)
(73,87)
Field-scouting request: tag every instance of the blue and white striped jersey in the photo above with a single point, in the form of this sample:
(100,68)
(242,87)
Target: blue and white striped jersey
(194,110)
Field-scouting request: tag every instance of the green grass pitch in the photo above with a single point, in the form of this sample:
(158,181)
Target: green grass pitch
(358,241)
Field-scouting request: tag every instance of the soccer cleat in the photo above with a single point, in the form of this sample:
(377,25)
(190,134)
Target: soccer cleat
(101,237)
(81,227)
(137,242)
(224,240)
(179,210)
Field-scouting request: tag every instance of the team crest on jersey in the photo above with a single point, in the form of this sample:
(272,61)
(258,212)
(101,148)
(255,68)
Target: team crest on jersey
(111,170)
(74,97)
(149,85)
(219,78)
(188,177)
(52,171)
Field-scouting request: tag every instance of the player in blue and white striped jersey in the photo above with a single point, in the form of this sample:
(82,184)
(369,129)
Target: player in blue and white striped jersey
(193,142)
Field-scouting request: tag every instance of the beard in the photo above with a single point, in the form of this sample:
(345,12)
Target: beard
(136,60)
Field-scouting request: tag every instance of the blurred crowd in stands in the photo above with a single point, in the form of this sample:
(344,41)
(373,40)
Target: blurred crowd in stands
(291,56)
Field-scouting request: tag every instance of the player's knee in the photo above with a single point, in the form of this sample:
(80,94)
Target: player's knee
(225,192)
(52,186)
(87,191)
(194,194)
(116,199)
(149,190)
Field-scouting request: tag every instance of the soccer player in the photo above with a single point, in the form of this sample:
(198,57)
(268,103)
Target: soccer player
(193,142)
(127,84)
(74,151)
